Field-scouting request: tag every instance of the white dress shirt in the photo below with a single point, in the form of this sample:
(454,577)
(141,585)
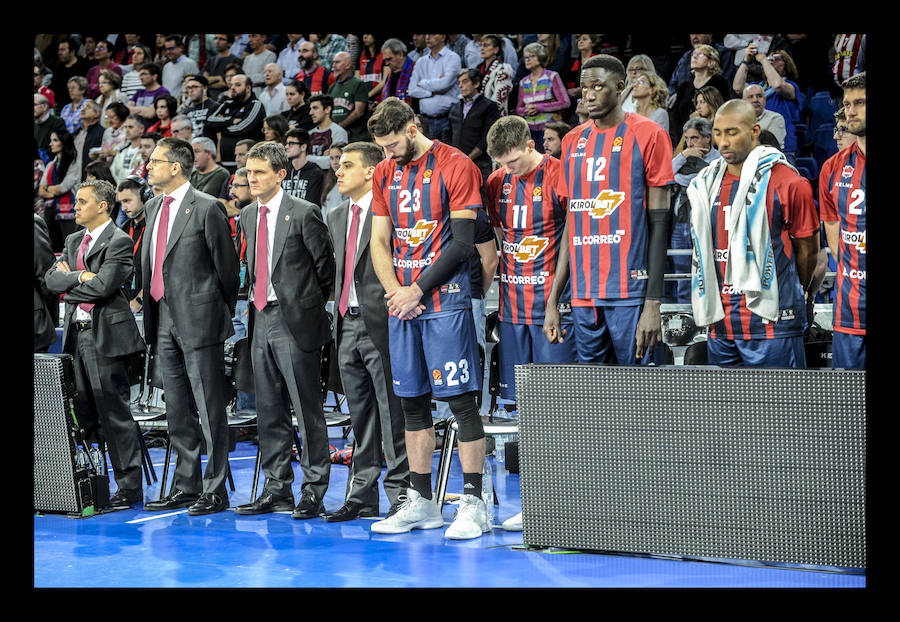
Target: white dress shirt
(80,314)
(174,207)
(271,220)
(365,202)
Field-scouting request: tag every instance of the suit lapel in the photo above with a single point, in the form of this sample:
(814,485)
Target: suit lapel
(99,243)
(340,238)
(365,236)
(181,219)
(250,236)
(282,226)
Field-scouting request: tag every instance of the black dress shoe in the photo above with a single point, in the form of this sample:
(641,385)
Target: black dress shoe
(349,511)
(267,502)
(177,499)
(309,507)
(126,497)
(209,503)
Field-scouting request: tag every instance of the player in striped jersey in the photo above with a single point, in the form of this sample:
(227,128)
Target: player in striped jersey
(616,168)
(842,203)
(529,217)
(425,199)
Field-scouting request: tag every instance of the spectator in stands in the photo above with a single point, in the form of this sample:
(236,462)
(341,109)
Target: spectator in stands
(331,196)
(327,47)
(682,72)
(103,58)
(350,96)
(706,71)
(129,155)
(649,95)
(434,84)
(637,65)
(304,179)
(706,102)
(214,69)
(275,128)
(289,58)
(99,169)
(297,114)
(553,134)
(768,120)
(178,65)
(497,74)
(779,76)
(272,95)
(62,174)
(131,77)
(148,144)
(228,192)
(315,76)
(254,63)
(124,53)
(39,73)
(181,127)
(68,66)
(89,137)
(130,194)
(470,120)
(371,67)
(842,135)
(71,112)
(325,133)
(240,116)
(586,45)
(398,68)
(200,106)
(849,56)
(542,95)
(114,133)
(165,107)
(109,83)
(207,176)
(420,48)
(143,102)
(45,122)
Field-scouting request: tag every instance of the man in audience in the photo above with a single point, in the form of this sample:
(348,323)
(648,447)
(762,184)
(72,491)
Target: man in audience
(129,156)
(104,62)
(214,69)
(327,47)
(470,120)
(767,119)
(255,62)
(289,58)
(393,54)
(304,179)
(45,122)
(325,133)
(200,106)
(147,145)
(239,116)
(289,284)
(272,95)
(761,260)
(141,102)
(434,84)
(90,133)
(178,65)
(315,76)
(350,98)
(207,176)
(100,332)
(69,65)
(181,127)
(131,194)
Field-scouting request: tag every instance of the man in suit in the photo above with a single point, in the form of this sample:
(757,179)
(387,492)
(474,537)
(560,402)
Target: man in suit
(189,265)
(471,118)
(290,268)
(361,334)
(100,332)
(46,305)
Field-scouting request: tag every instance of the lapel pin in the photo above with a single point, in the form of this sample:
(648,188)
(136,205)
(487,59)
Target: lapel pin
(187,211)
(286,217)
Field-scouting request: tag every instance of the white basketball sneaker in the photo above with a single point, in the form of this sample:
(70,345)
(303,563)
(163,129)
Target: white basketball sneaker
(471,519)
(416,512)
(514,523)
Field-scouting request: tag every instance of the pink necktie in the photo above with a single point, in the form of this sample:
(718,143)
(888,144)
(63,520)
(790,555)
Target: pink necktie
(261,286)
(162,235)
(349,260)
(79,263)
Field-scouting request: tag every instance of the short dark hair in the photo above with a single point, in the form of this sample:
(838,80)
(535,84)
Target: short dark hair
(171,103)
(101,190)
(120,110)
(327,100)
(560,127)
(300,134)
(391,116)
(154,136)
(607,62)
(473,74)
(855,82)
(152,68)
(180,151)
(272,152)
(301,87)
(370,153)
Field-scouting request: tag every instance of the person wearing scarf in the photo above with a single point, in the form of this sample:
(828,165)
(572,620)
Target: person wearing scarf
(755,233)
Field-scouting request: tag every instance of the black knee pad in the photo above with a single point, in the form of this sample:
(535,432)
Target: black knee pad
(418,412)
(468,419)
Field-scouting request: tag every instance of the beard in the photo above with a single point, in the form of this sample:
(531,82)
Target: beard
(408,154)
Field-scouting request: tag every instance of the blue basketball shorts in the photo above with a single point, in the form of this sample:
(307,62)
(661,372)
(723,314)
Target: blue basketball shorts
(521,344)
(778,352)
(848,351)
(606,334)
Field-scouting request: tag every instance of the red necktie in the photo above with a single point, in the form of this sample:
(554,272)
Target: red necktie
(162,235)
(79,263)
(349,260)
(261,286)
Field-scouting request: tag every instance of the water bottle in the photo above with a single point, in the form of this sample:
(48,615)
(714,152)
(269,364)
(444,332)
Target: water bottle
(499,442)
(82,460)
(487,489)
(96,460)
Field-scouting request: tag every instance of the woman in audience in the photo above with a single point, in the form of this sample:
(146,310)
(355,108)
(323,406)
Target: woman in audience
(109,83)
(275,128)
(330,196)
(649,94)
(131,74)
(542,95)
(100,170)
(61,176)
(114,135)
(71,112)
(497,74)
(706,103)
(298,113)
(706,71)
(371,67)
(637,65)
(165,107)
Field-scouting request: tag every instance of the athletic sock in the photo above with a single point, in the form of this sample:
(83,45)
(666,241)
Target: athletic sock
(472,484)
(421,483)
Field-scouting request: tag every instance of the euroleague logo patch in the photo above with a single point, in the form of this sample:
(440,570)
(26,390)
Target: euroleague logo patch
(536,194)
(437,377)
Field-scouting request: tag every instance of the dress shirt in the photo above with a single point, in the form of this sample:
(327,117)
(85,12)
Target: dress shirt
(80,314)
(289,61)
(274,102)
(434,82)
(365,202)
(177,197)
(271,220)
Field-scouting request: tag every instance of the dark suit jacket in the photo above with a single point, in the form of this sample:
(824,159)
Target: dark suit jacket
(46,304)
(369,291)
(200,271)
(114,328)
(302,268)
(471,131)
(93,139)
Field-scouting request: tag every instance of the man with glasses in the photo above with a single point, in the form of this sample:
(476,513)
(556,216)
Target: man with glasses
(200,106)
(141,102)
(393,53)
(190,264)
(304,179)
(178,65)
(767,119)
(103,56)
(181,127)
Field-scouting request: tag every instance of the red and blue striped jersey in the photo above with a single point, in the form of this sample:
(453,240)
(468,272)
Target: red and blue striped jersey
(418,198)
(606,176)
(842,198)
(792,214)
(532,217)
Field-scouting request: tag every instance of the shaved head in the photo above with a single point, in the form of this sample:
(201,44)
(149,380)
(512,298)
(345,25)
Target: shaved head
(739,108)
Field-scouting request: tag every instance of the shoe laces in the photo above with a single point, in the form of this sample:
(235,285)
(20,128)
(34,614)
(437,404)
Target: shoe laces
(468,507)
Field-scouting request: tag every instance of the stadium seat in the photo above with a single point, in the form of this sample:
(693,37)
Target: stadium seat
(821,110)
(824,146)
(809,164)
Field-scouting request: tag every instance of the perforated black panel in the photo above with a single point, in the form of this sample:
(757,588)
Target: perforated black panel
(752,464)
